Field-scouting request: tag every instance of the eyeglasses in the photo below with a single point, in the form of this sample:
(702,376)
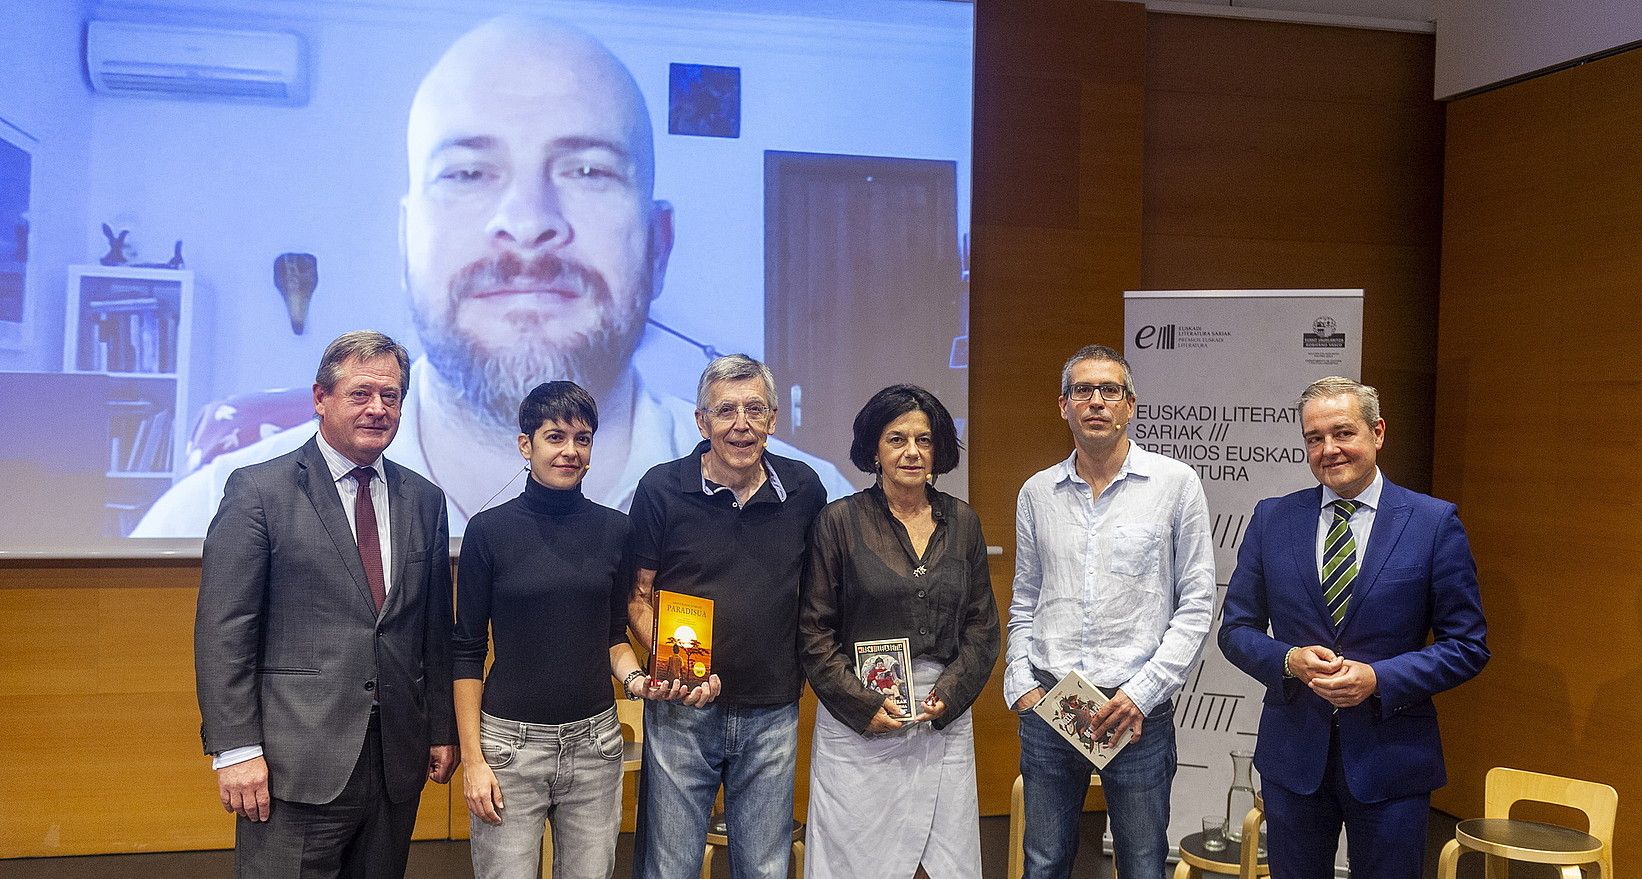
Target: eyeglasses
(729,413)
(1109,392)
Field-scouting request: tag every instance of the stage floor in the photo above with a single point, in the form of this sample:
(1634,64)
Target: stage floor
(449,860)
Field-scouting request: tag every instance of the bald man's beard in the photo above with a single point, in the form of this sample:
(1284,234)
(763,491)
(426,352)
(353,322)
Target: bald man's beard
(489,382)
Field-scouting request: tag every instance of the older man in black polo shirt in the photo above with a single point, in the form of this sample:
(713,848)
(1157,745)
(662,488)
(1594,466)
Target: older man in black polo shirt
(728,522)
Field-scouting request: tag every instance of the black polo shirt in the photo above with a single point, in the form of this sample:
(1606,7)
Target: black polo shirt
(747,559)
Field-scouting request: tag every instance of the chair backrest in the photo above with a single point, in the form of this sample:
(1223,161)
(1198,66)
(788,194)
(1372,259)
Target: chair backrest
(630,714)
(1507,787)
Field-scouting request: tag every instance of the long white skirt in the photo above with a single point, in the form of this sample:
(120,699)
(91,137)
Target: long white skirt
(880,805)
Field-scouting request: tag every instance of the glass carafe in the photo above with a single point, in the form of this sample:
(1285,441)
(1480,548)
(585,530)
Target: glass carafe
(1240,798)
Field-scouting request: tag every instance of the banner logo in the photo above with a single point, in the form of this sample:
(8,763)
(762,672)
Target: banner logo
(1159,336)
(1324,334)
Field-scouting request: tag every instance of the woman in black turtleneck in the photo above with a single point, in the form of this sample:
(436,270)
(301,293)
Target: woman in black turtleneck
(546,577)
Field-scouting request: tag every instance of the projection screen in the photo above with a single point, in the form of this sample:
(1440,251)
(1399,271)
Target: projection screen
(199,196)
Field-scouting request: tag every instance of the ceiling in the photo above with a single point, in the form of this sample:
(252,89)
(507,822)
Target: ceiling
(1398,15)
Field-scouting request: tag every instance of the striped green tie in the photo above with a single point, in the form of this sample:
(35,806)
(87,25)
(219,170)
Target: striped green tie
(1339,560)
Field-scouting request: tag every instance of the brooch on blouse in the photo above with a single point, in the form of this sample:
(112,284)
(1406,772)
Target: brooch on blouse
(920,571)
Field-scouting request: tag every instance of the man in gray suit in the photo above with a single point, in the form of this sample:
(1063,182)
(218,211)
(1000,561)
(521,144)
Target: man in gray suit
(322,636)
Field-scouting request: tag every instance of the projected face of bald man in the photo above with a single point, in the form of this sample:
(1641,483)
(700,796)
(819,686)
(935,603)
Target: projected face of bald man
(532,244)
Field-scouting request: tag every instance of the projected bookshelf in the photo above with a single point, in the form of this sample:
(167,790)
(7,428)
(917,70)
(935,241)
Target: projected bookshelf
(132,326)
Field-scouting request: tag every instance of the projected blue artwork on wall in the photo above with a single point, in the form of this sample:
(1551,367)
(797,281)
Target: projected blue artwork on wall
(704,100)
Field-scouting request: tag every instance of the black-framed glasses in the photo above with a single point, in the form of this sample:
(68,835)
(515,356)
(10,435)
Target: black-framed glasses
(727,413)
(1108,391)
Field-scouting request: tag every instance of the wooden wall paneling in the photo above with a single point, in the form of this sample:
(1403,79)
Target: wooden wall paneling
(100,731)
(1282,156)
(101,728)
(1536,423)
(1305,62)
(1058,150)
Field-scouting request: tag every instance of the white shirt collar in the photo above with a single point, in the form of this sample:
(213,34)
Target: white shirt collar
(1136,461)
(710,487)
(339,464)
(1368,497)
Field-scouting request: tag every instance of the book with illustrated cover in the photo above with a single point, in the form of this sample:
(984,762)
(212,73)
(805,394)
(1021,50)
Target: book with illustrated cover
(1070,708)
(682,638)
(885,667)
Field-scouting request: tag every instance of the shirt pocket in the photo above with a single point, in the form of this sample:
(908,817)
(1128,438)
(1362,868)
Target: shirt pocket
(1137,549)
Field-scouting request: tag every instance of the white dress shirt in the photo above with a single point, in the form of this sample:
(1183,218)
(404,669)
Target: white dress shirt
(1362,521)
(348,489)
(1119,587)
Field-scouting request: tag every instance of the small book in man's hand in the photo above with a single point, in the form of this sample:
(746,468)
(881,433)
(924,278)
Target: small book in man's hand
(1070,709)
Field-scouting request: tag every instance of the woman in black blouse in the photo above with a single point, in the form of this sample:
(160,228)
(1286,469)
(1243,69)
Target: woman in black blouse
(546,577)
(889,792)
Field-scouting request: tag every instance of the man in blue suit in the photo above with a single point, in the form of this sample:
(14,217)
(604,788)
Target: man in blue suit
(1351,576)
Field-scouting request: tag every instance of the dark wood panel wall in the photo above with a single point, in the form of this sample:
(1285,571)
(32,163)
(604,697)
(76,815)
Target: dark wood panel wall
(1114,150)
(1280,156)
(1059,102)
(1537,419)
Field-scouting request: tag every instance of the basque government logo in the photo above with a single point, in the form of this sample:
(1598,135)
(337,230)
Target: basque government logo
(1324,334)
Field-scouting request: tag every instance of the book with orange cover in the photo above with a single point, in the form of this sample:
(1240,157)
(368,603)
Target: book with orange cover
(682,638)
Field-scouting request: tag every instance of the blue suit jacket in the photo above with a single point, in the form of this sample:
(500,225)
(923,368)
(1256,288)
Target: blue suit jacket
(1417,578)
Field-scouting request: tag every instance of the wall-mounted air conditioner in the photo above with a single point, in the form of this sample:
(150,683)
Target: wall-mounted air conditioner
(155,60)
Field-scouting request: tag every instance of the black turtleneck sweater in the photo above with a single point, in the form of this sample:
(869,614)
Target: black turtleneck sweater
(547,576)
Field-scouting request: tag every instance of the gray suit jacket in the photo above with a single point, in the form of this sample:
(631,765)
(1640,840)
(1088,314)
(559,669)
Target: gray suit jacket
(288,648)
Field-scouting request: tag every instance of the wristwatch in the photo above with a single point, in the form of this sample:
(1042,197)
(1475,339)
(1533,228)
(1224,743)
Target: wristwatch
(627,684)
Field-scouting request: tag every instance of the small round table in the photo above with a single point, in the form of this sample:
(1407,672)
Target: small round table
(1195,860)
(1530,841)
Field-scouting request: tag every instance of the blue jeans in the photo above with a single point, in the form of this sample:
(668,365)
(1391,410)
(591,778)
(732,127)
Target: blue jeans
(1055,778)
(568,773)
(688,753)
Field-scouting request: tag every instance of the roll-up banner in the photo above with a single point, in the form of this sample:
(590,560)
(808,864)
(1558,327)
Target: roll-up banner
(1217,374)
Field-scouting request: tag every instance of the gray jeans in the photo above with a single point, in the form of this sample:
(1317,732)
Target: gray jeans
(569,774)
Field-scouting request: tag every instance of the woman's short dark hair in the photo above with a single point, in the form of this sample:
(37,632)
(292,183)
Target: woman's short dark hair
(561,401)
(891,403)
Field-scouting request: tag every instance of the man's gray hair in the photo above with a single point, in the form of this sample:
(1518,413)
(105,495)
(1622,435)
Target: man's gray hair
(735,368)
(1368,399)
(1096,352)
(365,345)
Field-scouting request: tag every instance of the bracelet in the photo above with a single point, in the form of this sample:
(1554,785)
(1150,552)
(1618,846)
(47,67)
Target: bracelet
(1287,671)
(627,683)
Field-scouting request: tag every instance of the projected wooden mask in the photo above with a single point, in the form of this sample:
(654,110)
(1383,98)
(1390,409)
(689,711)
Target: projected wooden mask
(296,275)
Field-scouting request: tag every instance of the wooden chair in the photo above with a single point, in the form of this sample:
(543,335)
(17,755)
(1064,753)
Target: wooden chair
(718,836)
(1250,866)
(1502,838)
(630,714)
(1241,859)
(1017,822)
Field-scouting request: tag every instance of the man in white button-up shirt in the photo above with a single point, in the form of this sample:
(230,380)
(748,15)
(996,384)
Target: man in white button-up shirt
(1114,578)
